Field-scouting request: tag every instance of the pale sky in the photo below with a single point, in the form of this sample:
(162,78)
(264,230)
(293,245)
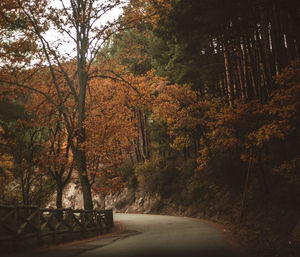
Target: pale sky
(67,48)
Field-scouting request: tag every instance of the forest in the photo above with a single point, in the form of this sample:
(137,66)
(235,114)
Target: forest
(196,102)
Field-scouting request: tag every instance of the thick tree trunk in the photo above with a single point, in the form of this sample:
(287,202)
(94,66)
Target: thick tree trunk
(80,159)
(59,194)
(82,40)
(80,155)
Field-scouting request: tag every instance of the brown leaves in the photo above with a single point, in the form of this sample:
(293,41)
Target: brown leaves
(263,134)
(183,112)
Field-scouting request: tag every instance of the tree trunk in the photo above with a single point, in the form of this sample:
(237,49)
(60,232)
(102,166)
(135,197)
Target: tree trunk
(253,69)
(25,185)
(82,40)
(235,75)
(257,63)
(141,134)
(248,89)
(137,152)
(241,73)
(266,52)
(228,75)
(84,180)
(59,194)
(281,57)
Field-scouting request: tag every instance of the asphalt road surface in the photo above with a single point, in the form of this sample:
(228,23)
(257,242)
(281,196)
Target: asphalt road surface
(151,236)
(157,235)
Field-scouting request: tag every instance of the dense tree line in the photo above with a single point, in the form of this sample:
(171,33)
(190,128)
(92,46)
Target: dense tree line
(232,50)
(228,105)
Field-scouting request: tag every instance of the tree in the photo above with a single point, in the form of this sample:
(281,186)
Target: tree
(22,145)
(232,50)
(79,23)
(59,162)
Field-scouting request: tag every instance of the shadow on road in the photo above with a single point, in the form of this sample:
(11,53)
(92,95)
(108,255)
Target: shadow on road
(170,254)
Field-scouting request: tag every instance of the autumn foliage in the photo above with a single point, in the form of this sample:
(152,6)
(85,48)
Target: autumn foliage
(148,106)
(264,136)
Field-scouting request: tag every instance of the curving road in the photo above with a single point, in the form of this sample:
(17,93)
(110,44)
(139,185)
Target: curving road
(162,236)
(151,236)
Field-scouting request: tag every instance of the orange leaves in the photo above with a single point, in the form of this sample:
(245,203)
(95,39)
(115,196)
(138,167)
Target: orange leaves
(290,76)
(203,160)
(109,125)
(172,101)
(6,163)
(289,169)
(261,133)
(180,143)
(183,112)
(282,111)
(17,40)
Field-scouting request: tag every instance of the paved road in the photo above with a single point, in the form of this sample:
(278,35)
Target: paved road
(156,235)
(152,236)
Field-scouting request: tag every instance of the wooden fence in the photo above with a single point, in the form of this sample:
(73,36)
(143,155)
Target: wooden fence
(46,226)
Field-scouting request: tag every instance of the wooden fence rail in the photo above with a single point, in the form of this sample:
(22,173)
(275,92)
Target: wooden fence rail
(46,226)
